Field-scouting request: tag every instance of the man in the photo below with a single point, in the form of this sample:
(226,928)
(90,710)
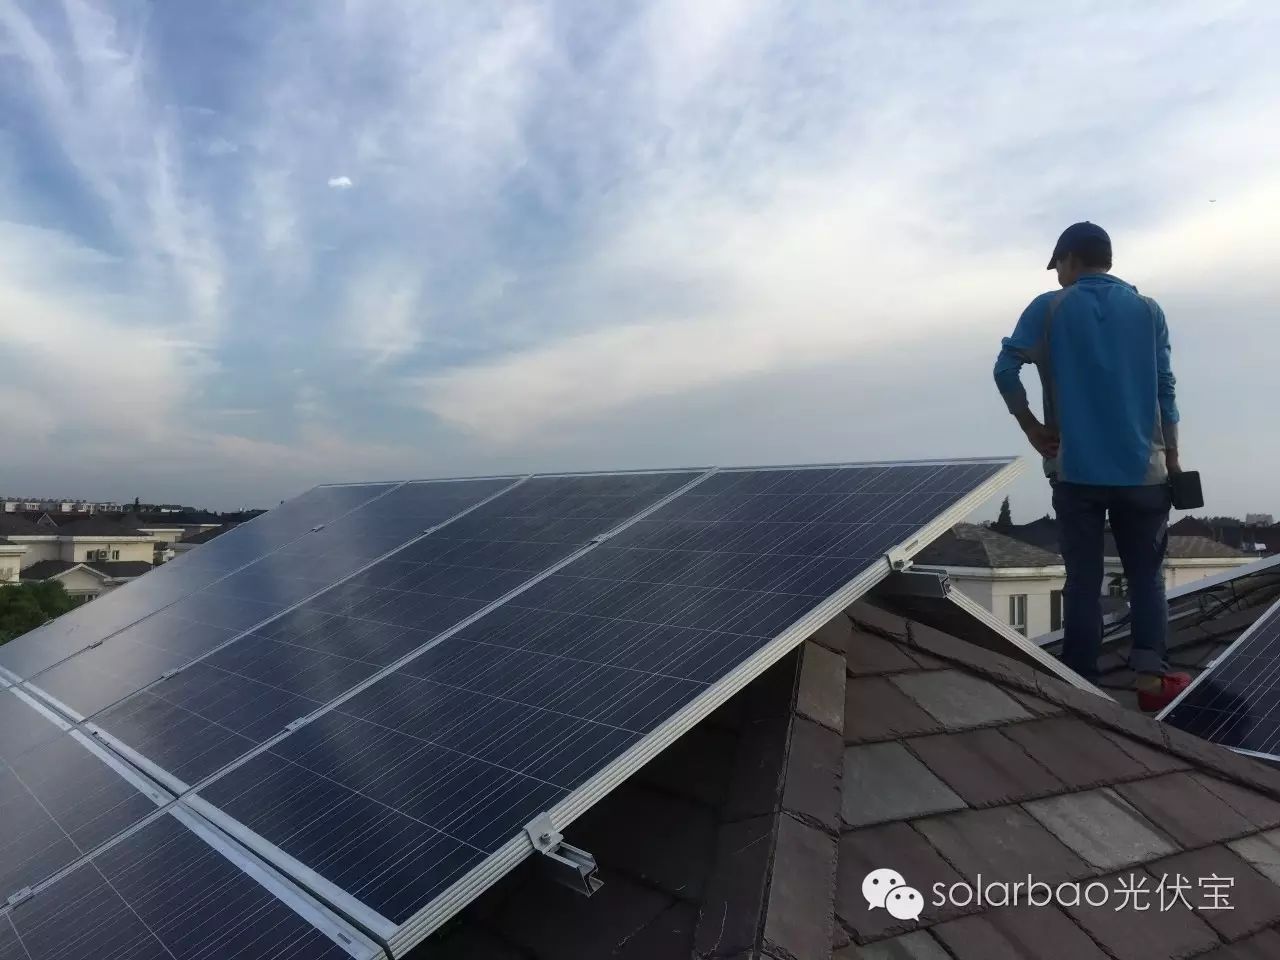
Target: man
(1109,442)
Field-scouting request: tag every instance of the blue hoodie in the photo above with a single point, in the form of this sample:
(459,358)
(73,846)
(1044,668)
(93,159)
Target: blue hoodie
(1102,351)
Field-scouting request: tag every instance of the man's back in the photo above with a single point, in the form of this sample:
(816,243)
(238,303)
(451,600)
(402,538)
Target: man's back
(1109,385)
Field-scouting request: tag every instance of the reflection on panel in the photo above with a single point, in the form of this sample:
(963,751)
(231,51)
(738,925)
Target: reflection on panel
(196,722)
(196,624)
(93,622)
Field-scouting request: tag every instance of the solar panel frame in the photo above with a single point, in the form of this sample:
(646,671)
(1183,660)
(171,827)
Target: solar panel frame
(1268,621)
(403,936)
(1022,647)
(344,935)
(79,773)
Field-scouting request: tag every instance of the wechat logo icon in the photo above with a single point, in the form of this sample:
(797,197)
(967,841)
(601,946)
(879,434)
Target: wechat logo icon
(887,889)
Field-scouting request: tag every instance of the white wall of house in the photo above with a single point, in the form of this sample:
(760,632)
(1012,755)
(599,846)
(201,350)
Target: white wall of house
(994,589)
(38,548)
(82,583)
(10,563)
(1179,572)
(84,549)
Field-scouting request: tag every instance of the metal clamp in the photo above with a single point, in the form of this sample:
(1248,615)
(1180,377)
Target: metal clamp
(899,559)
(568,865)
(17,898)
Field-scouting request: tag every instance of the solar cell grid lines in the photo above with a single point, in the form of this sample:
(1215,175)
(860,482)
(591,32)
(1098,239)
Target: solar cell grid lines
(166,892)
(575,679)
(207,715)
(1236,702)
(41,648)
(58,800)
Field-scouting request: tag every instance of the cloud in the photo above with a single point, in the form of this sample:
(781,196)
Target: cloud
(599,232)
(220,147)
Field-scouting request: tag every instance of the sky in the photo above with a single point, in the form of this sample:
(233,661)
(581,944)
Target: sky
(250,247)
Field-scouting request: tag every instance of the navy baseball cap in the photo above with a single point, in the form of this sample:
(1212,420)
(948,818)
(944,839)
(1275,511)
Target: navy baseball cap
(1077,236)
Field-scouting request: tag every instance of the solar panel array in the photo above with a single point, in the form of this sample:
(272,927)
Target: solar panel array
(1237,701)
(375,690)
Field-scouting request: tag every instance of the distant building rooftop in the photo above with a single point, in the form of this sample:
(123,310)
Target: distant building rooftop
(968,545)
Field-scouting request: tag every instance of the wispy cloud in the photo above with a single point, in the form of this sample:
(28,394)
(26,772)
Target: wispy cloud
(521,227)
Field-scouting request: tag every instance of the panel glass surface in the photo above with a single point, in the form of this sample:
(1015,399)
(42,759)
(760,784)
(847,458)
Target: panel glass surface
(196,624)
(1237,703)
(46,645)
(218,709)
(160,894)
(398,791)
(57,800)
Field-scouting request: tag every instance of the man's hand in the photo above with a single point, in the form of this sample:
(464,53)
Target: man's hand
(1045,441)
(1171,461)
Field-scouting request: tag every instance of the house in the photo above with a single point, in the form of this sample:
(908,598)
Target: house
(85,580)
(1191,554)
(1017,581)
(88,553)
(884,748)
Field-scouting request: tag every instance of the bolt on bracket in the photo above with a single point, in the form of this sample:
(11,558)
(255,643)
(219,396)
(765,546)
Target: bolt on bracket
(568,865)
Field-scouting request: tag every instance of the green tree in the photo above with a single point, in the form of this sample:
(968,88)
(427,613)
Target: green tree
(1005,520)
(25,606)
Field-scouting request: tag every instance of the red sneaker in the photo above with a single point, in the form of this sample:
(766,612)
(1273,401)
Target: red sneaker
(1171,684)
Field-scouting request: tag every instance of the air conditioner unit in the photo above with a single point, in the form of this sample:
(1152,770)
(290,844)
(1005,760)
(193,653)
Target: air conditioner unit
(101,554)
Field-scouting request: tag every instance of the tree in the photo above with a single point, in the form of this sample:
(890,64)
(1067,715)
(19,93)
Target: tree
(25,606)
(1005,520)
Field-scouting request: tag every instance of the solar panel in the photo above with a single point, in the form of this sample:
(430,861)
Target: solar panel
(175,889)
(192,626)
(407,796)
(1236,702)
(41,648)
(207,715)
(60,795)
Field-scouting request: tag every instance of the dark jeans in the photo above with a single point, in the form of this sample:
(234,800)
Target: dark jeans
(1139,524)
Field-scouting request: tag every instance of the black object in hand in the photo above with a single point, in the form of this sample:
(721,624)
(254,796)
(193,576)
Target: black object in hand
(1184,490)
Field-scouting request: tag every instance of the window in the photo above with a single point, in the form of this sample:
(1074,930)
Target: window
(1055,610)
(115,554)
(1118,588)
(1018,612)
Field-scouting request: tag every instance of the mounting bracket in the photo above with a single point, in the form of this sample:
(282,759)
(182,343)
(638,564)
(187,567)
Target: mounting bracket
(568,865)
(915,582)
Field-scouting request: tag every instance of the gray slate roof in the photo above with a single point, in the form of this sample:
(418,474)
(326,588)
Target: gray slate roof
(968,545)
(1043,533)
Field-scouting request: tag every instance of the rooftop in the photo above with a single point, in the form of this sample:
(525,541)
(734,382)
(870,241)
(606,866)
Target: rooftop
(115,569)
(1043,533)
(886,743)
(969,545)
(204,536)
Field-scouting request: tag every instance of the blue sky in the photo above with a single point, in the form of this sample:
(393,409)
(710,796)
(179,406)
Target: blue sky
(245,248)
